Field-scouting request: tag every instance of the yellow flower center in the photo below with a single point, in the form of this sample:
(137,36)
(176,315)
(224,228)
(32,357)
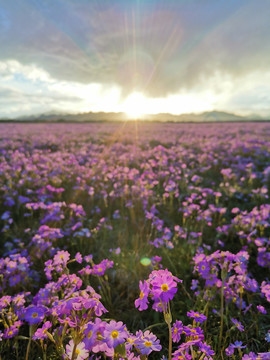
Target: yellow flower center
(164,287)
(77,351)
(34,315)
(100,269)
(175,330)
(10,332)
(114,334)
(141,295)
(90,334)
(147,343)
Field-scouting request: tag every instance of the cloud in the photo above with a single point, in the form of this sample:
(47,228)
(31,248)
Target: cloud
(161,48)
(27,89)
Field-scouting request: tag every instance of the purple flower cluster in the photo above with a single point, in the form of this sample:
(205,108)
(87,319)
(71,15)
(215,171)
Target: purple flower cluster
(189,197)
(227,270)
(193,341)
(17,271)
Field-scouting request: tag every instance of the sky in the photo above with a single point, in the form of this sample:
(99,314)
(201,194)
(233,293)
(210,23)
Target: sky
(137,56)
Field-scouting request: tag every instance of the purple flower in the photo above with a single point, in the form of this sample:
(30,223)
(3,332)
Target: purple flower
(265,288)
(267,336)
(115,333)
(158,306)
(10,332)
(263,356)
(230,350)
(142,301)
(164,285)
(197,317)
(102,345)
(95,305)
(237,323)
(35,314)
(78,257)
(238,345)
(42,332)
(250,356)
(90,333)
(204,269)
(99,269)
(177,330)
(194,284)
(181,354)
(147,342)
(49,269)
(206,349)
(14,280)
(198,332)
(261,309)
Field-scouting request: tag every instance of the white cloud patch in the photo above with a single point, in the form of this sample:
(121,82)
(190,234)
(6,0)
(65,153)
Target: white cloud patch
(29,89)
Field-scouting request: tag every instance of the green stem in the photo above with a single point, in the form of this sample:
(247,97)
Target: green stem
(221,314)
(74,351)
(44,356)
(168,319)
(170,342)
(29,342)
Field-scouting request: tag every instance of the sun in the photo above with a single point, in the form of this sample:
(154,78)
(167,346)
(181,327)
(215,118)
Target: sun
(135,106)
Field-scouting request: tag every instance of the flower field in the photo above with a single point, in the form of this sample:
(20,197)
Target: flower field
(135,241)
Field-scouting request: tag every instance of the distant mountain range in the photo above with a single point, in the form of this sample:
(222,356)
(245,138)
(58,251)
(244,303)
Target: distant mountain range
(209,116)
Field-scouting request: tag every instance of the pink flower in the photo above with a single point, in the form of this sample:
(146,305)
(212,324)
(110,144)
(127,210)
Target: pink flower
(78,257)
(61,258)
(164,285)
(80,351)
(42,332)
(261,309)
